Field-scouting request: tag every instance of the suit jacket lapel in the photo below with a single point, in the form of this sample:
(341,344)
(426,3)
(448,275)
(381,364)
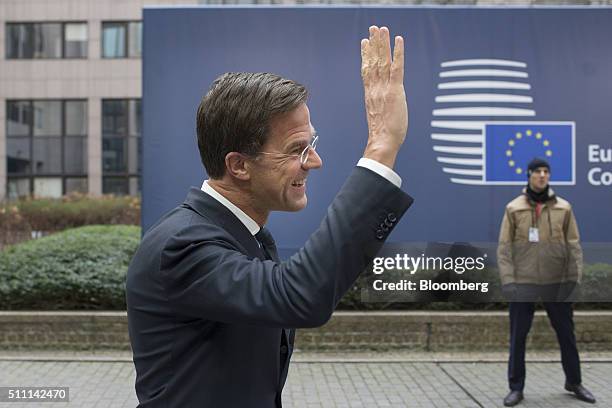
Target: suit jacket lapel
(208,207)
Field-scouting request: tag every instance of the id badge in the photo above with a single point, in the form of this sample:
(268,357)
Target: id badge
(534,234)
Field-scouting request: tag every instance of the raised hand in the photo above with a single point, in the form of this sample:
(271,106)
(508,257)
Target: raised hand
(385,98)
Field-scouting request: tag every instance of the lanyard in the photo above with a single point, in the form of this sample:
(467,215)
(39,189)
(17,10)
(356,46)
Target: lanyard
(535,214)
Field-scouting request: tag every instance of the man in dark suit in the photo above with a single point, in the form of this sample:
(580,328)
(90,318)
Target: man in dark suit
(211,309)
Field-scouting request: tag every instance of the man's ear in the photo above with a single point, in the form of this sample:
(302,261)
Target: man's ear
(236,166)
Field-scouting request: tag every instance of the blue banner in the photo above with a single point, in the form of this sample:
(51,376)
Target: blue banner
(475,79)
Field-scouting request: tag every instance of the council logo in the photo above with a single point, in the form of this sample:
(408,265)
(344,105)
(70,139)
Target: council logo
(485,130)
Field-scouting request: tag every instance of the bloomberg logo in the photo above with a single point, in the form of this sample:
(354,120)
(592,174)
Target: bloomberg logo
(483,126)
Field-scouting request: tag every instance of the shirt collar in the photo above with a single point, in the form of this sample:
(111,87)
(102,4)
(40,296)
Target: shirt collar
(248,222)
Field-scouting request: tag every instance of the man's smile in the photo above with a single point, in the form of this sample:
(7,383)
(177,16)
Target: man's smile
(299,183)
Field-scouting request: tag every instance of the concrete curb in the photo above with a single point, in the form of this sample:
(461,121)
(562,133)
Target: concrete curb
(322,357)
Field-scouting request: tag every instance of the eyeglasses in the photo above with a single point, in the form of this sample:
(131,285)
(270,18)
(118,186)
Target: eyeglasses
(302,156)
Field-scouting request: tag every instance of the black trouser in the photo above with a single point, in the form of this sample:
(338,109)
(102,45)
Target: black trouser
(560,315)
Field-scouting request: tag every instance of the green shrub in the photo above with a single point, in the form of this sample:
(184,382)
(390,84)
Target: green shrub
(18,219)
(76,210)
(85,268)
(82,268)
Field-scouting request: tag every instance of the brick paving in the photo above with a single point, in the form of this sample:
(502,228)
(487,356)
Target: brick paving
(330,382)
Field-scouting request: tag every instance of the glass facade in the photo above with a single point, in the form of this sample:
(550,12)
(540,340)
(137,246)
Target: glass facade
(46,139)
(47,118)
(46,40)
(121,146)
(46,147)
(19,118)
(121,39)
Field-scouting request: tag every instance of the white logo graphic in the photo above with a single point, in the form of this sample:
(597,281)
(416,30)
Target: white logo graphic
(473,95)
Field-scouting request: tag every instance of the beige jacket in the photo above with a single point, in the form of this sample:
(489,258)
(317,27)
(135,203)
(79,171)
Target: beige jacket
(555,258)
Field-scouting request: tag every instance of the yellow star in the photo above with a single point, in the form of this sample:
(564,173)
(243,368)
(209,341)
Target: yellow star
(511,142)
(528,132)
(508,152)
(545,142)
(519,170)
(538,135)
(511,163)
(549,153)
(519,135)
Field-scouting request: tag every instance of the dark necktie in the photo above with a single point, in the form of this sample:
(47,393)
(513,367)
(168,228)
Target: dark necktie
(267,243)
(287,337)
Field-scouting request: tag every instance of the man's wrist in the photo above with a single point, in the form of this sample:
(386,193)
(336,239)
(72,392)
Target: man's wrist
(383,154)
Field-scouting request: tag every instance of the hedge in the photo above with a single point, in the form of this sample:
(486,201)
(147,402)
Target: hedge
(85,268)
(81,268)
(19,219)
(76,210)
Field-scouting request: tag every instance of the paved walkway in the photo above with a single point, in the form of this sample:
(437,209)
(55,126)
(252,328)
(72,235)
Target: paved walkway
(331,380)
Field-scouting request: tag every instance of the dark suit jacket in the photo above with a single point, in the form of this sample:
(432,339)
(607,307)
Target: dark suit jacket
(205,313)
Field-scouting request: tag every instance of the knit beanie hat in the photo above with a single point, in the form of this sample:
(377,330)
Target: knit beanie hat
(536,163)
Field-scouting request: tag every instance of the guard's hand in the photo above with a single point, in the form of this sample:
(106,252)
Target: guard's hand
(385,99)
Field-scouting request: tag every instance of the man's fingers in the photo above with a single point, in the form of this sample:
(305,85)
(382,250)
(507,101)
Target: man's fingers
(397,67)
(373,31)
(384,53)
(373,55)
(379,54)
(365,46)
(376,62)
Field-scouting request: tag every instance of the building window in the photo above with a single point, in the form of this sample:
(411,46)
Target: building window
(46,40)
(121,146)
(75,40)
(46,143)
(121,39)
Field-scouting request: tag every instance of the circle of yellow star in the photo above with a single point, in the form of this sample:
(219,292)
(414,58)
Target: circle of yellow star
(519,170)
(545,142)
(528,132)
(549,153)
(538,135)
(511,163)
(511,142)
(508,153)
(519,135)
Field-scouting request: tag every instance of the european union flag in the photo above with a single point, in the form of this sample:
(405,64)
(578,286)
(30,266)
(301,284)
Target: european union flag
(510,147)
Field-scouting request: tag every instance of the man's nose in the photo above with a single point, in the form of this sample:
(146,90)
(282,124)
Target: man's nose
(314,160)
